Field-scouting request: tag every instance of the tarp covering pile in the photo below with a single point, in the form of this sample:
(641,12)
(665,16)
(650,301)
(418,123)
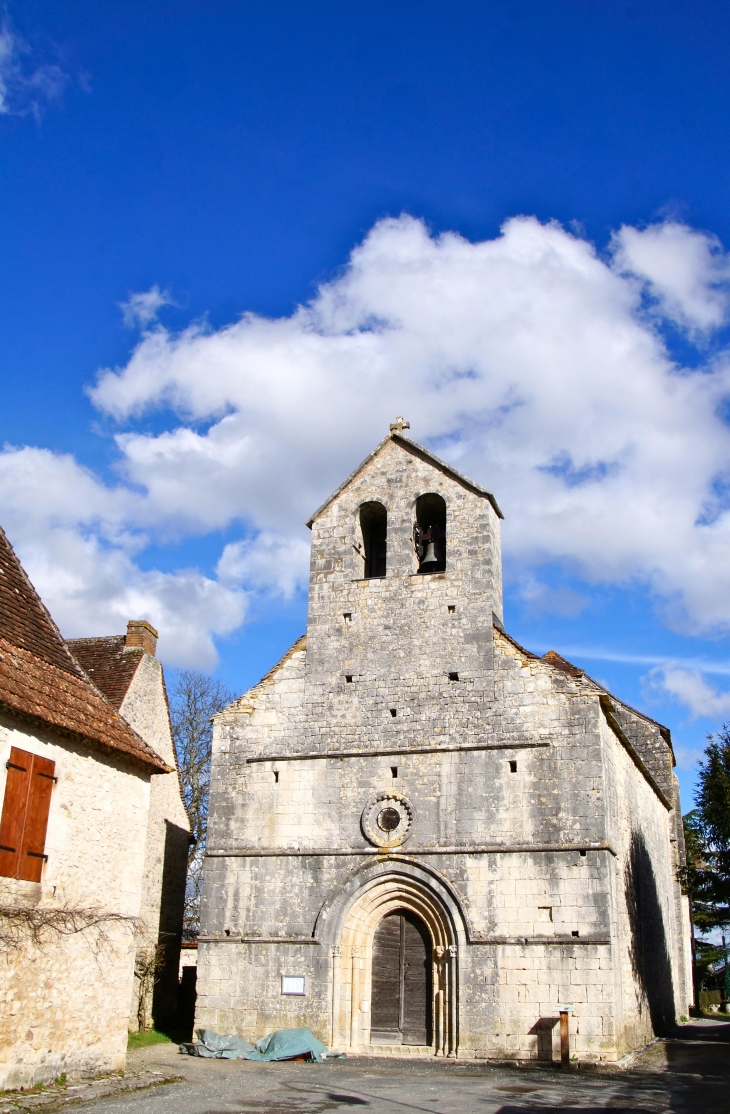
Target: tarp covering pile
(284,1044)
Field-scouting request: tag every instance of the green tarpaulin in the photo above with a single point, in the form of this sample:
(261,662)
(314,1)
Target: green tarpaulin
(284,1044)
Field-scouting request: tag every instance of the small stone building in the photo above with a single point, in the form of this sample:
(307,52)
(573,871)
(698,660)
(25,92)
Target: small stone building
(125,669)
(424,839)
(76,861)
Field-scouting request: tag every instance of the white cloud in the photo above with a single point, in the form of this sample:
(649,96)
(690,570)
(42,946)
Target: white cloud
(687,272)
(74,537)
(690,688)
(25,88)
(267,563)
(141,309)
(527,360)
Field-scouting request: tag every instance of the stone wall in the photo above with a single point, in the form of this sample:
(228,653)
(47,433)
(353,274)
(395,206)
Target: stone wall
(652,980)
(65,1003)
(166,851)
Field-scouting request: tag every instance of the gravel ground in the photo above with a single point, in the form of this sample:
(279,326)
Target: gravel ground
(688,1073)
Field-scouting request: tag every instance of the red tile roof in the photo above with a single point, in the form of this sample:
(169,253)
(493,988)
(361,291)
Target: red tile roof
(41,681)
(109,662)
(554,658)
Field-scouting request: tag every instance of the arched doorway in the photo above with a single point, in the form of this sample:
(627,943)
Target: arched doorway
(392,903)
(401,981)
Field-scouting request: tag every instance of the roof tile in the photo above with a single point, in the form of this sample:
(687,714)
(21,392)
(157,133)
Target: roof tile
(109,662)
(41,681)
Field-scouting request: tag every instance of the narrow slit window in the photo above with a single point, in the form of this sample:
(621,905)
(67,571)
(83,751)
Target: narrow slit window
(452,609)
(374,527)
(347,617)
(583,854)
(276,777)
(348,678)
(453,676)
(393,712)
(394,771)
(513,767)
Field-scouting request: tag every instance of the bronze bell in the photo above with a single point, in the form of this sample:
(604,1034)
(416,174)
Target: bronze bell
(430,554)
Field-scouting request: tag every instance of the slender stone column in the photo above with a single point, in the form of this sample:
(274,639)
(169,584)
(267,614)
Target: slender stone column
(453,1040)
(336,1004)
(355,996)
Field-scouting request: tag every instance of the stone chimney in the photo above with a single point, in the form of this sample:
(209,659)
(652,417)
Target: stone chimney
(141,633)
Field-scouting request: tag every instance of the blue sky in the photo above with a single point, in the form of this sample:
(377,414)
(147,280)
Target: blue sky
(168,168)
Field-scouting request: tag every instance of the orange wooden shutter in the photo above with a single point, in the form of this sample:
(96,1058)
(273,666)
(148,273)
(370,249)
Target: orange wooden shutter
(24,820)
(32,851)
(19,767)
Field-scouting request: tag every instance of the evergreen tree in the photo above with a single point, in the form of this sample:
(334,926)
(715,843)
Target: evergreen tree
(707,835)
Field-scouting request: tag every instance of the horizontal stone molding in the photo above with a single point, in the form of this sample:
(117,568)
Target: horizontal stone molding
(395,750)
(257,940)
(520,941)
(516,941)
(485,849)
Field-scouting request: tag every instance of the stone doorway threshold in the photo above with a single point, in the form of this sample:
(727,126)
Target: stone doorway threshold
(403,1051)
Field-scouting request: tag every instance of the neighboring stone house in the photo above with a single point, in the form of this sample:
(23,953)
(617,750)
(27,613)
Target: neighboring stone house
(424,839)
(75,783)
(126,670)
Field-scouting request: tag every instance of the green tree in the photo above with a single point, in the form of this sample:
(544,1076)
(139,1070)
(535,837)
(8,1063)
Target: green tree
(707,835)
(706,876)
(194,699)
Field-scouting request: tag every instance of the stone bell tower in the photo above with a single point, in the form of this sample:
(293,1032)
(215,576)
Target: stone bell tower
(405,584)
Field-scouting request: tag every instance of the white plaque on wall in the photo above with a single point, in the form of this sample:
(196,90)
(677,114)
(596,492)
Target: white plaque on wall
(292,984)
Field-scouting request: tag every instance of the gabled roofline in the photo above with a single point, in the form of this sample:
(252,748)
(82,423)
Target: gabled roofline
(75,666)
(557,661)
(424,454)
(242,701)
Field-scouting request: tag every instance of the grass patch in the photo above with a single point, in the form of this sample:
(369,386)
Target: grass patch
(147,1037)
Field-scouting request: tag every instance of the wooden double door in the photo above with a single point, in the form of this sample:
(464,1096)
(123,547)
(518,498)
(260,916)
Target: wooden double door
(401,997)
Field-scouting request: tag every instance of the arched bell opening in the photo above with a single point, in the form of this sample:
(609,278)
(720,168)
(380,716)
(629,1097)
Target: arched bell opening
(429,533)
(394,926)
(374,530)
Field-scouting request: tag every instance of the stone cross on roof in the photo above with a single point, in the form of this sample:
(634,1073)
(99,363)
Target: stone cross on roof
(399,425)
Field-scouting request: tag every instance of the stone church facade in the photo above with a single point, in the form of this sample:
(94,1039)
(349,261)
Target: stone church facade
(423,839)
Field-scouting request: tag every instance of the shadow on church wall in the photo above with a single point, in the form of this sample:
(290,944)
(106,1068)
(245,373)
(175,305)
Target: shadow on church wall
(172,905)
(543,1030)
(648,947)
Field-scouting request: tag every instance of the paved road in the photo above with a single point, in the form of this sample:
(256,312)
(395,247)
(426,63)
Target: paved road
(689,1074)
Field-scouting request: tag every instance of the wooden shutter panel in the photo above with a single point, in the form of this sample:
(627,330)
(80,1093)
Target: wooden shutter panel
(32,852)
(24,821)
(20,765)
